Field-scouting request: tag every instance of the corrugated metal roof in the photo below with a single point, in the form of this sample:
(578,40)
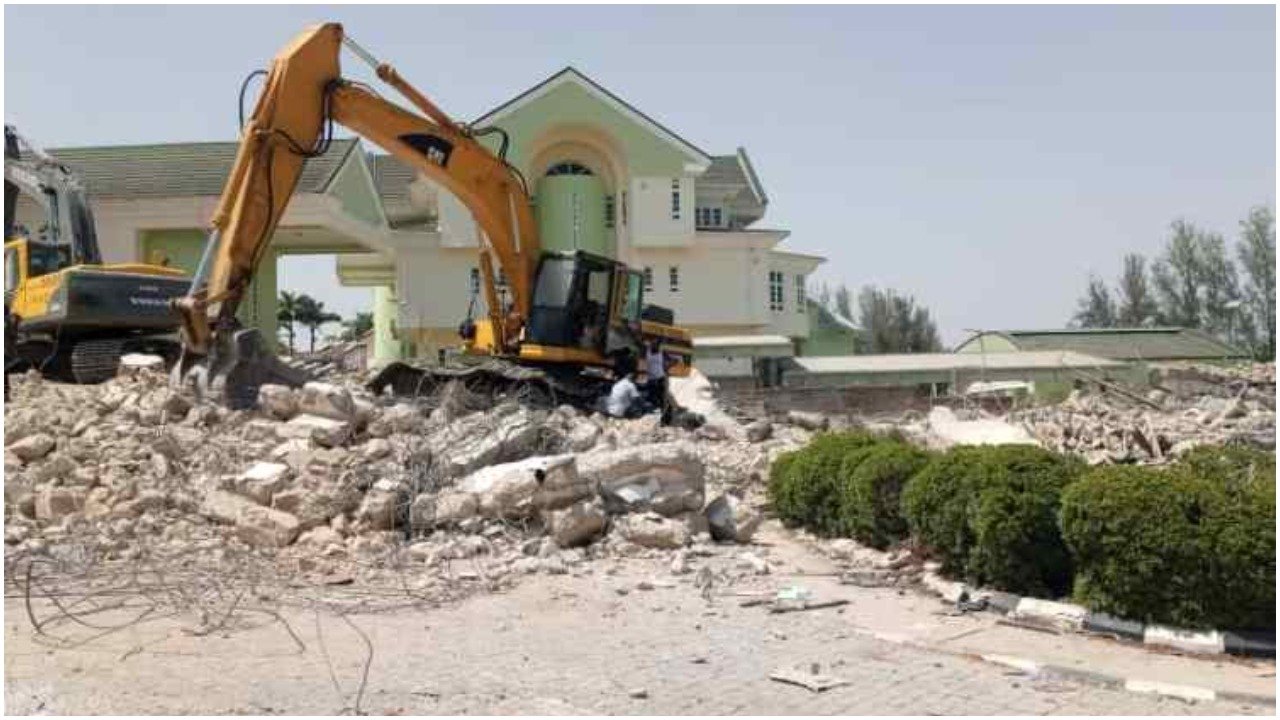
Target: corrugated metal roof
(179,169)
(1163,343)
(922,362)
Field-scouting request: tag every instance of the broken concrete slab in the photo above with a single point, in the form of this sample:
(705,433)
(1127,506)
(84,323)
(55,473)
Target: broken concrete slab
(577,524)
(520,489)
(668,478)
(652,530)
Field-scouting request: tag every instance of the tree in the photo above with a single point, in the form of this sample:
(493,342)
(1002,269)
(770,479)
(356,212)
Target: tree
(844,304)
(356,327)
(892,323)
(1096,309)
(287,313)
(312,315)
(824,296)
(1178,274)
(1136,306)
(1220,286)
(1257,254)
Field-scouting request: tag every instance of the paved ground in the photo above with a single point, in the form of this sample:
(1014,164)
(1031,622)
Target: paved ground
(553,645)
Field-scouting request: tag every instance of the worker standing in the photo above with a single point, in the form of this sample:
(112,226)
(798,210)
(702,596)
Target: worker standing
(655,365)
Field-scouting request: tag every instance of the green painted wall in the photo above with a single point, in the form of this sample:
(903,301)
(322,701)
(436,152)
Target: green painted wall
(385,347)
(570,211)
(570,104)
(991,343)
(826,336)
(182,248)
(355,193)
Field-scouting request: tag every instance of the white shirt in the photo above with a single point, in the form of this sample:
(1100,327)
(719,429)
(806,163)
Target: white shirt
(621,396)
(655,364)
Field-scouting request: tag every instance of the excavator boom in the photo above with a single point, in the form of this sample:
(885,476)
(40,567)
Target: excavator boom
(304,93)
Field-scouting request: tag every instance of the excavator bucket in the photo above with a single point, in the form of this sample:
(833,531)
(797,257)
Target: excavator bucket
(232,373)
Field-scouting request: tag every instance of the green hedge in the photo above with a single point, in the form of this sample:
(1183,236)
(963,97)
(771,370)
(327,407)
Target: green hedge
(805,488)
(870,499)
(990,514)
(1190,545)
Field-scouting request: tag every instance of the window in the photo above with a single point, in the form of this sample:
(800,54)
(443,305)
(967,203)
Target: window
(775,291)
(709,217)
(608,211)
(502,278)
(648,279)
(675,199)
(624,207)
(569,168)
(634,304)
(673,276)
(475,281)
(800,298)
(11,274)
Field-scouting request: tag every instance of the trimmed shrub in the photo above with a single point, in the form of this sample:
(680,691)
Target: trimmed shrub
(990,514)
(1230,465)
(806,489)
(870,499)
(936,504)
(1017,542)
(1192,545)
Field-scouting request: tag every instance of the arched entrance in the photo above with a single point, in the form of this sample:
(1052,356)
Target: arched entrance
(571,209)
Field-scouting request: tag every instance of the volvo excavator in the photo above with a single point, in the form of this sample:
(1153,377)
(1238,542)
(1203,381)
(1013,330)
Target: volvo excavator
(569,322)
(67,314)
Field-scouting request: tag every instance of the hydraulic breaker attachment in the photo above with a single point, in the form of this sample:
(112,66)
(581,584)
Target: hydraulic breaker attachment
(234,369)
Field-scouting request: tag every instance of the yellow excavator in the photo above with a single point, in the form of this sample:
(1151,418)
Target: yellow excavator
(66,313)
(569,322)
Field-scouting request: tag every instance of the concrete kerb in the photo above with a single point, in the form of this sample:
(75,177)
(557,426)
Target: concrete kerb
(1079,619)
(1032,668)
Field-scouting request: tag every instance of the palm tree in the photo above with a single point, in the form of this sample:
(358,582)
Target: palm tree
(287,313)
(312,315)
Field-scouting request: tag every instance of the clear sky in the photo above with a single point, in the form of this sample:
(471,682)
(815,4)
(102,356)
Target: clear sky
(985,159)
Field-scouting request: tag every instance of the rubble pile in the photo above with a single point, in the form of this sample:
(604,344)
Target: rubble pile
(332,481)
(1185,408)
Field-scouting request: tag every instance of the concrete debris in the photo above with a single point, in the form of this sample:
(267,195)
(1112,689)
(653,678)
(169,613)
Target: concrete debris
(652,530)
(668,478)
(808,420)
(1189,406)
(277,401)
(32,447)
(331,482)
(577,525)
(730,519)
(759,431)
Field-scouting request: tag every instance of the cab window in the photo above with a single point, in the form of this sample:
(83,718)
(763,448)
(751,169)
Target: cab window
(43,259)
(635,296)
(11,274)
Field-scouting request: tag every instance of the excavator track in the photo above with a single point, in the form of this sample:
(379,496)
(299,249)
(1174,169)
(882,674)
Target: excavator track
(528,384)
(95,361)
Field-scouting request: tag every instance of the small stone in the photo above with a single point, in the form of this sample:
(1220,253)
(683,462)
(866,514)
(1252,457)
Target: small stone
(55,503)
(32,447)
(759,431)
(327,400)
(638,693)
(277,401)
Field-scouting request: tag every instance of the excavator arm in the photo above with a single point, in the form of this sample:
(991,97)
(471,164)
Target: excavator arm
(303,96)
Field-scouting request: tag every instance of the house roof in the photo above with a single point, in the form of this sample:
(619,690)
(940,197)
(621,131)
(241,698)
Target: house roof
(924,362)
(833,316)
(180,169)
(1161,343)
(571,74)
